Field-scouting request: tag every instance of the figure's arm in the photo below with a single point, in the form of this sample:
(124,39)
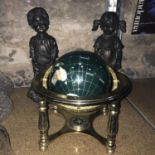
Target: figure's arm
(97,47)
(54,51)
(31,46)
(32,56)
(118,48)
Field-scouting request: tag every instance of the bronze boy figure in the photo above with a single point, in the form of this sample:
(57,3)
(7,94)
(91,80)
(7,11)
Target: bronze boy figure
(108,46)
(43,47)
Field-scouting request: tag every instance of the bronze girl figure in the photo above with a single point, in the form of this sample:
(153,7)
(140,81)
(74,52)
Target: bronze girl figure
(108,46)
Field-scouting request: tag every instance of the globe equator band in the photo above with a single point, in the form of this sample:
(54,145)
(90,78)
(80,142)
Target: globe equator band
(122,90)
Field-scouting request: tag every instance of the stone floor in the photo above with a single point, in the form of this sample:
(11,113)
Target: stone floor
(135,136)
(142,97)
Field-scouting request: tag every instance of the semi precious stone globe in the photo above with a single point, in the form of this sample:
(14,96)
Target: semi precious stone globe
(80,74)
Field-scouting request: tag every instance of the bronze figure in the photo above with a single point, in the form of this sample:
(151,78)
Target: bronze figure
(108,46)
(43,47)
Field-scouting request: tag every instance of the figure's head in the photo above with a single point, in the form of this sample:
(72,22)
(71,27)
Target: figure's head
(38,19)
(109,22)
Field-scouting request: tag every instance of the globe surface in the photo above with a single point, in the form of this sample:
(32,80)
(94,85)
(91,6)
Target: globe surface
(80,74)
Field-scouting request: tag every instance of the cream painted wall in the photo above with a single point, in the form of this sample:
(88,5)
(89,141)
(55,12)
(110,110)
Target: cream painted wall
(71,23)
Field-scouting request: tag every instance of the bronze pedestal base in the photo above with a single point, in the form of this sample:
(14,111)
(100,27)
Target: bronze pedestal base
(80,122)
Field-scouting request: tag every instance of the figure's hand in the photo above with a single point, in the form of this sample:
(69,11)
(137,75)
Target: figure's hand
(117,66)
(122,25)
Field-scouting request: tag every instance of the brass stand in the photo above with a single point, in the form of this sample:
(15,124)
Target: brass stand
(43,125)
(112,128)
(80,113)
(80,122)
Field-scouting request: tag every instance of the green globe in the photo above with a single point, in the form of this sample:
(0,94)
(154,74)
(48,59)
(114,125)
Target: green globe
(80,74)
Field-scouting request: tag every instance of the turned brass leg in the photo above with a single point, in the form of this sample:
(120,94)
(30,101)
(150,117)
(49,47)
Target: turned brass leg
(105,110)
(43,125)
(112,126)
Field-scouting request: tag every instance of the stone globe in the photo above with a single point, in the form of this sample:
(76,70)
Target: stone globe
(80,74)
